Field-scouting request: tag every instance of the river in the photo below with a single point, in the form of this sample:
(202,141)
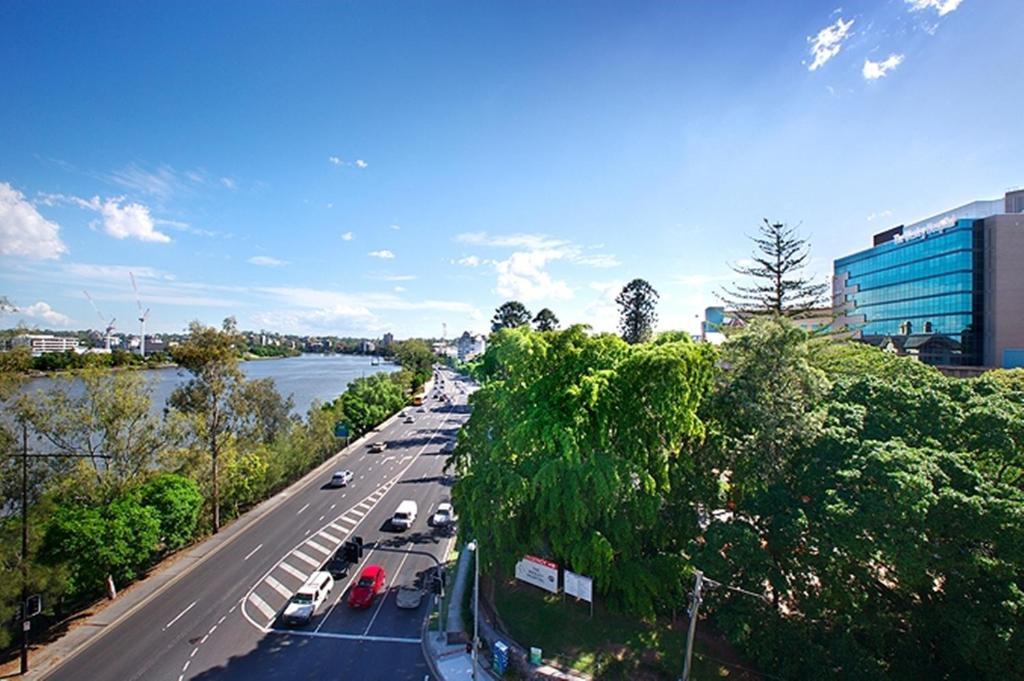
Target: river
(305,378)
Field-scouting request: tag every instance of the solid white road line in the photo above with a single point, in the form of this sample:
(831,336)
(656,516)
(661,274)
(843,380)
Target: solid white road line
(249,555)
(278,587)
(306,559)
(180,615)
(302,509)
(394,582)
(348,637)
(292,571)
(261,605)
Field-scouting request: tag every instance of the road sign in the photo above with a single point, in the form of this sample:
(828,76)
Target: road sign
(539,572)
(535,656)
(499,661)
(340,429)
(579,586)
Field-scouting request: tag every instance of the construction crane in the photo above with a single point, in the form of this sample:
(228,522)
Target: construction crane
(109,325)
(143,316)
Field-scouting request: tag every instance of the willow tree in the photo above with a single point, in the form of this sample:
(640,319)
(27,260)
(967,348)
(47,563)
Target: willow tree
(569,454)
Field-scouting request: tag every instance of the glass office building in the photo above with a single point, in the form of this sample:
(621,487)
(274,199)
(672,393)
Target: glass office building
(948,289)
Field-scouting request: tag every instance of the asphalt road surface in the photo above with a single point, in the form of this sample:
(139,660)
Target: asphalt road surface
(220,621)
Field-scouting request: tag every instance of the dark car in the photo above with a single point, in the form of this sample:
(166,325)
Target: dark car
(337,565)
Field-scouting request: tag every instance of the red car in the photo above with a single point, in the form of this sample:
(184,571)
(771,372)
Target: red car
(370,583)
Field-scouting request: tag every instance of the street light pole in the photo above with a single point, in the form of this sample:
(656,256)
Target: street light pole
(474,546)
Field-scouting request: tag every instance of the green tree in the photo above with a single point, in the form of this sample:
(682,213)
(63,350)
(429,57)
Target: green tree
(101,545)
(637,316)
(545,320)
(177,501)
(259,413)
(510,315)
(417,358)
(570,451)
(211,356)
(778,286)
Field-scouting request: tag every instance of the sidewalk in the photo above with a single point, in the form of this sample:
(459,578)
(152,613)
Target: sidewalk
(106,614)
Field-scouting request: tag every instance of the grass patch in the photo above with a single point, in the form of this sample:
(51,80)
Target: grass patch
(609,646)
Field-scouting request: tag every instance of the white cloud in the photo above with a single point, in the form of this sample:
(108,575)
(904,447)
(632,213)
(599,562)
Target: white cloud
(348,236)
(383,253)
(393,277)
(396,227)
(45,313)
(23,231)
(522,277)
(162,183)
(131,220)
(873,70)
(943,7)
(603,313)
(334,160)
(360,163)
(266,261)
(470,261)
(228,182)
(399,289)
(828,42)
(601,260)
(880,215)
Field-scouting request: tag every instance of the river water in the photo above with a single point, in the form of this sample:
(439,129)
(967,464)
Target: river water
(305,378)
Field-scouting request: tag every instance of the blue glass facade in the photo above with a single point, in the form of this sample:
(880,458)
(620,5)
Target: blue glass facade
(932,283)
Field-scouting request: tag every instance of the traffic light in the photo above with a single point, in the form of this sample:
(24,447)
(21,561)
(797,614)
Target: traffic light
(359,542)
(351,552)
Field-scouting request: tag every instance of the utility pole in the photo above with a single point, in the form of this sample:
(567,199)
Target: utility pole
(698,584)
(24,548)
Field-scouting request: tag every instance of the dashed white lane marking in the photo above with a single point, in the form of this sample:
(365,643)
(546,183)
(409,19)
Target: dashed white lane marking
(249,555)
(332,507)
(305,559)
(194,651)
(321,518)
(278,586)
(293,572)
(329,537)
(319,547)
(302,509)
(261,605)
(179,616)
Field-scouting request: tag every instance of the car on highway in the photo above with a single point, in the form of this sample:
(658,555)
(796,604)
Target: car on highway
(444,515)
(410,419)
(341,478)
(409,597)
(378,447)
(421,410)
(405,515)
(310,596)
(338,563)
(371,583)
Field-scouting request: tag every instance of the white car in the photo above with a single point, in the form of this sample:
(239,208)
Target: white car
(444,515)
(310,596)
(341,478)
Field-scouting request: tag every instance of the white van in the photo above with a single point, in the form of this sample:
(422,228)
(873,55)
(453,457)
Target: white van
(405,515)
(310,596)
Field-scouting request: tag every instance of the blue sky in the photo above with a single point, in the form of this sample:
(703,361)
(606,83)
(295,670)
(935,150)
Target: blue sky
(360,167)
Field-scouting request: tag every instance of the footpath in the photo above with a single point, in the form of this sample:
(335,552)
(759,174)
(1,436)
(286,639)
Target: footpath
(106,614)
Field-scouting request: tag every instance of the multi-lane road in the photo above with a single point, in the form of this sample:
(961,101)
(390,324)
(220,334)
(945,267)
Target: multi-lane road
(219,621)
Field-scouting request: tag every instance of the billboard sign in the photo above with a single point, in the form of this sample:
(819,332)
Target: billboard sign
(579,586)
(539,572)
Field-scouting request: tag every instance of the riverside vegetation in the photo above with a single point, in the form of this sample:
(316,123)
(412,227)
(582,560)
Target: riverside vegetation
(877,505)
(131,487)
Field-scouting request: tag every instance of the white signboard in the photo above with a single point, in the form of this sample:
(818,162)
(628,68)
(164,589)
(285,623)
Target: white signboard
(579,586)
(539,572)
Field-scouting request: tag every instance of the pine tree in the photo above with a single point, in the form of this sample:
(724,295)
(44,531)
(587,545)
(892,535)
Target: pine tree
(545,320)
(510,315)
(778,287)
(636,311)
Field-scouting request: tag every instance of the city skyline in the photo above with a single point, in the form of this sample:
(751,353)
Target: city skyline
(352,170)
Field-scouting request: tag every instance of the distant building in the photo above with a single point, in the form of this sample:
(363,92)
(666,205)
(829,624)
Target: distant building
(470,346)
(948,289)
(387,340)
(718,320)
(366,347)
(42,343)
